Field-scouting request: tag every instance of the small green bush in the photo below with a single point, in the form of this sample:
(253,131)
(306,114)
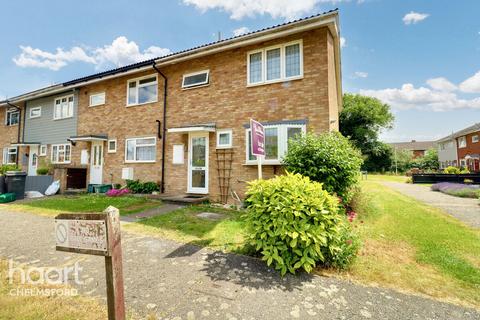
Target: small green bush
(295,224)
(135,186)
(329,158)
(451,170)
(8,167)
(42,171)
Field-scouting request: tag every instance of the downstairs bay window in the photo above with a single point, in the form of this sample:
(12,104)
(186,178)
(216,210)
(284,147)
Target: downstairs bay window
(276,142)
(140,149)
(61,153)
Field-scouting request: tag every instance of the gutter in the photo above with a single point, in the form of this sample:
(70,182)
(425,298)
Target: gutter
(19,123)
(164,133)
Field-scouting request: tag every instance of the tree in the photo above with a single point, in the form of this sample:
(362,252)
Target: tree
(362,119)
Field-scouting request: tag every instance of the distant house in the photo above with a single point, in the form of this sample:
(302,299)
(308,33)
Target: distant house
(461,149)
(417,148)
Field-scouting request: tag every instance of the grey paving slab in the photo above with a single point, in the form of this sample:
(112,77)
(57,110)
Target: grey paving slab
(182,281)
(464,209)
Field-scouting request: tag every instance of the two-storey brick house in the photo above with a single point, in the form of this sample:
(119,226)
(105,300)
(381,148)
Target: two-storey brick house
(183,120)
(461,149)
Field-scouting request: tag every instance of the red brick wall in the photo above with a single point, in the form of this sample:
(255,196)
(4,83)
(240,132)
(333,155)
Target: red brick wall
(471,149)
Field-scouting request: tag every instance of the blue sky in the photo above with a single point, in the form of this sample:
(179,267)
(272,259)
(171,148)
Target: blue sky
(421,57)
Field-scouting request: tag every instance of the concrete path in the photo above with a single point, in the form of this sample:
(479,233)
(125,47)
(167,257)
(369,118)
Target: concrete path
(464,209)
(177,281)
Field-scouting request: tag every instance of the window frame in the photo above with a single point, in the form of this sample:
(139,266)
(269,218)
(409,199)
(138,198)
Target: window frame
(39,108)
(282,143)
(40,151)
(224,146)
(94,95)
(476,138)
(64,145)
(55,106)
(202,84)
(462,142)
(137,86)
(283,77)
(108,146)
(135,150)
(8,113)
(5,155)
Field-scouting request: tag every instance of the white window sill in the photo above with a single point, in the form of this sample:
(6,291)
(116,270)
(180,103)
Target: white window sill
(195,87)
(62,118)
(11,125)
(112,151)
(224,147)
(274,81)
(153,161)
(62,162)
(141,104)
(96,105)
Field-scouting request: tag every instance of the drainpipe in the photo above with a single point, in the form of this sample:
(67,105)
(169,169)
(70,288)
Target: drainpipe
(164,135)
(19,125)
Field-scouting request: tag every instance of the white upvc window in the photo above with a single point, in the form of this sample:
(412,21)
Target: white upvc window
(463,163)
(43,150)
(61,153)
(462,142)
(142,90)
(475,138)
(10,155)
(196,79)
(140,149)
(276,142)
(97,99)
(112,146)
(35,112)
(224,138)
(63,107)
(12,117)
(275,64)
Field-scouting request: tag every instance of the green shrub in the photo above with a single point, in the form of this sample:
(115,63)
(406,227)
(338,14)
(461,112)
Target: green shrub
(329,158)
(42,171)
(135,186)
(8,167)
(464,171)
(295,224)
(451,170)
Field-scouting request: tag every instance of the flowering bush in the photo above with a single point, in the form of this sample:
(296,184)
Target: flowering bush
(458,189)
(117,192)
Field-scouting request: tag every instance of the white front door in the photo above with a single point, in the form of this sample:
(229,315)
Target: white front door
(33,161)
(198,163)
(96,162)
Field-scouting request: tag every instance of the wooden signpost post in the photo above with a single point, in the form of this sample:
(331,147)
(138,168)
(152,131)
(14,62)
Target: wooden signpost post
(257,134)
(97,234)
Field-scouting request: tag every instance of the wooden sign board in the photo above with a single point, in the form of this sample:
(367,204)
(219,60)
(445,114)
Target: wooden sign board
(82,233)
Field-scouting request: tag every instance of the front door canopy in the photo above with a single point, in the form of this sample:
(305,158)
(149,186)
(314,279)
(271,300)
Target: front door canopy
(91,137)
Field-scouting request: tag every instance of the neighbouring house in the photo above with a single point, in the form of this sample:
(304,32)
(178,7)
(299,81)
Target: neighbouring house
(447,152)
(182,120)
(417,148)
(463,149)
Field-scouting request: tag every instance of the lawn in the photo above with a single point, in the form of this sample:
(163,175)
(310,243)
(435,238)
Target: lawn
(385,177)
(85,203)
(411,246)
(185,226)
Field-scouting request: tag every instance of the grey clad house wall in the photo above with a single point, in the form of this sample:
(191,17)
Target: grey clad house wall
(45,129)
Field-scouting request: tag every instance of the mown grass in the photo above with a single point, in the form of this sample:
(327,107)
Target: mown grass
(43,307)
(84,203)
(385,177)
(185,226)
(411,246)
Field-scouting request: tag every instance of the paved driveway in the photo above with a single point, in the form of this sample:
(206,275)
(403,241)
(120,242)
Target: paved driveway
(186,282)
(464,209)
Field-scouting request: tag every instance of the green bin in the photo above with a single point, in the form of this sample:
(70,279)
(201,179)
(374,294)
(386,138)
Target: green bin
(102,188)
(7,197)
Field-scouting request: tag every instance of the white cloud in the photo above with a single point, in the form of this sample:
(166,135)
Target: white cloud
(119,53)
(441,84)
(409,97)
(360,74)
(472,84)
(414,17)
(240,31)
(343,42)
(31,57)
(239,9)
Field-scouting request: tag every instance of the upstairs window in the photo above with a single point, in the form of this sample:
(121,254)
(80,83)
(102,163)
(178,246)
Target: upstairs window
(475,138)
(462,142)
(277,138)
(97,99)
(63,108)
(35,112)
(143,90)
(9,155)
(196,79)
(275,64)
(12,117)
